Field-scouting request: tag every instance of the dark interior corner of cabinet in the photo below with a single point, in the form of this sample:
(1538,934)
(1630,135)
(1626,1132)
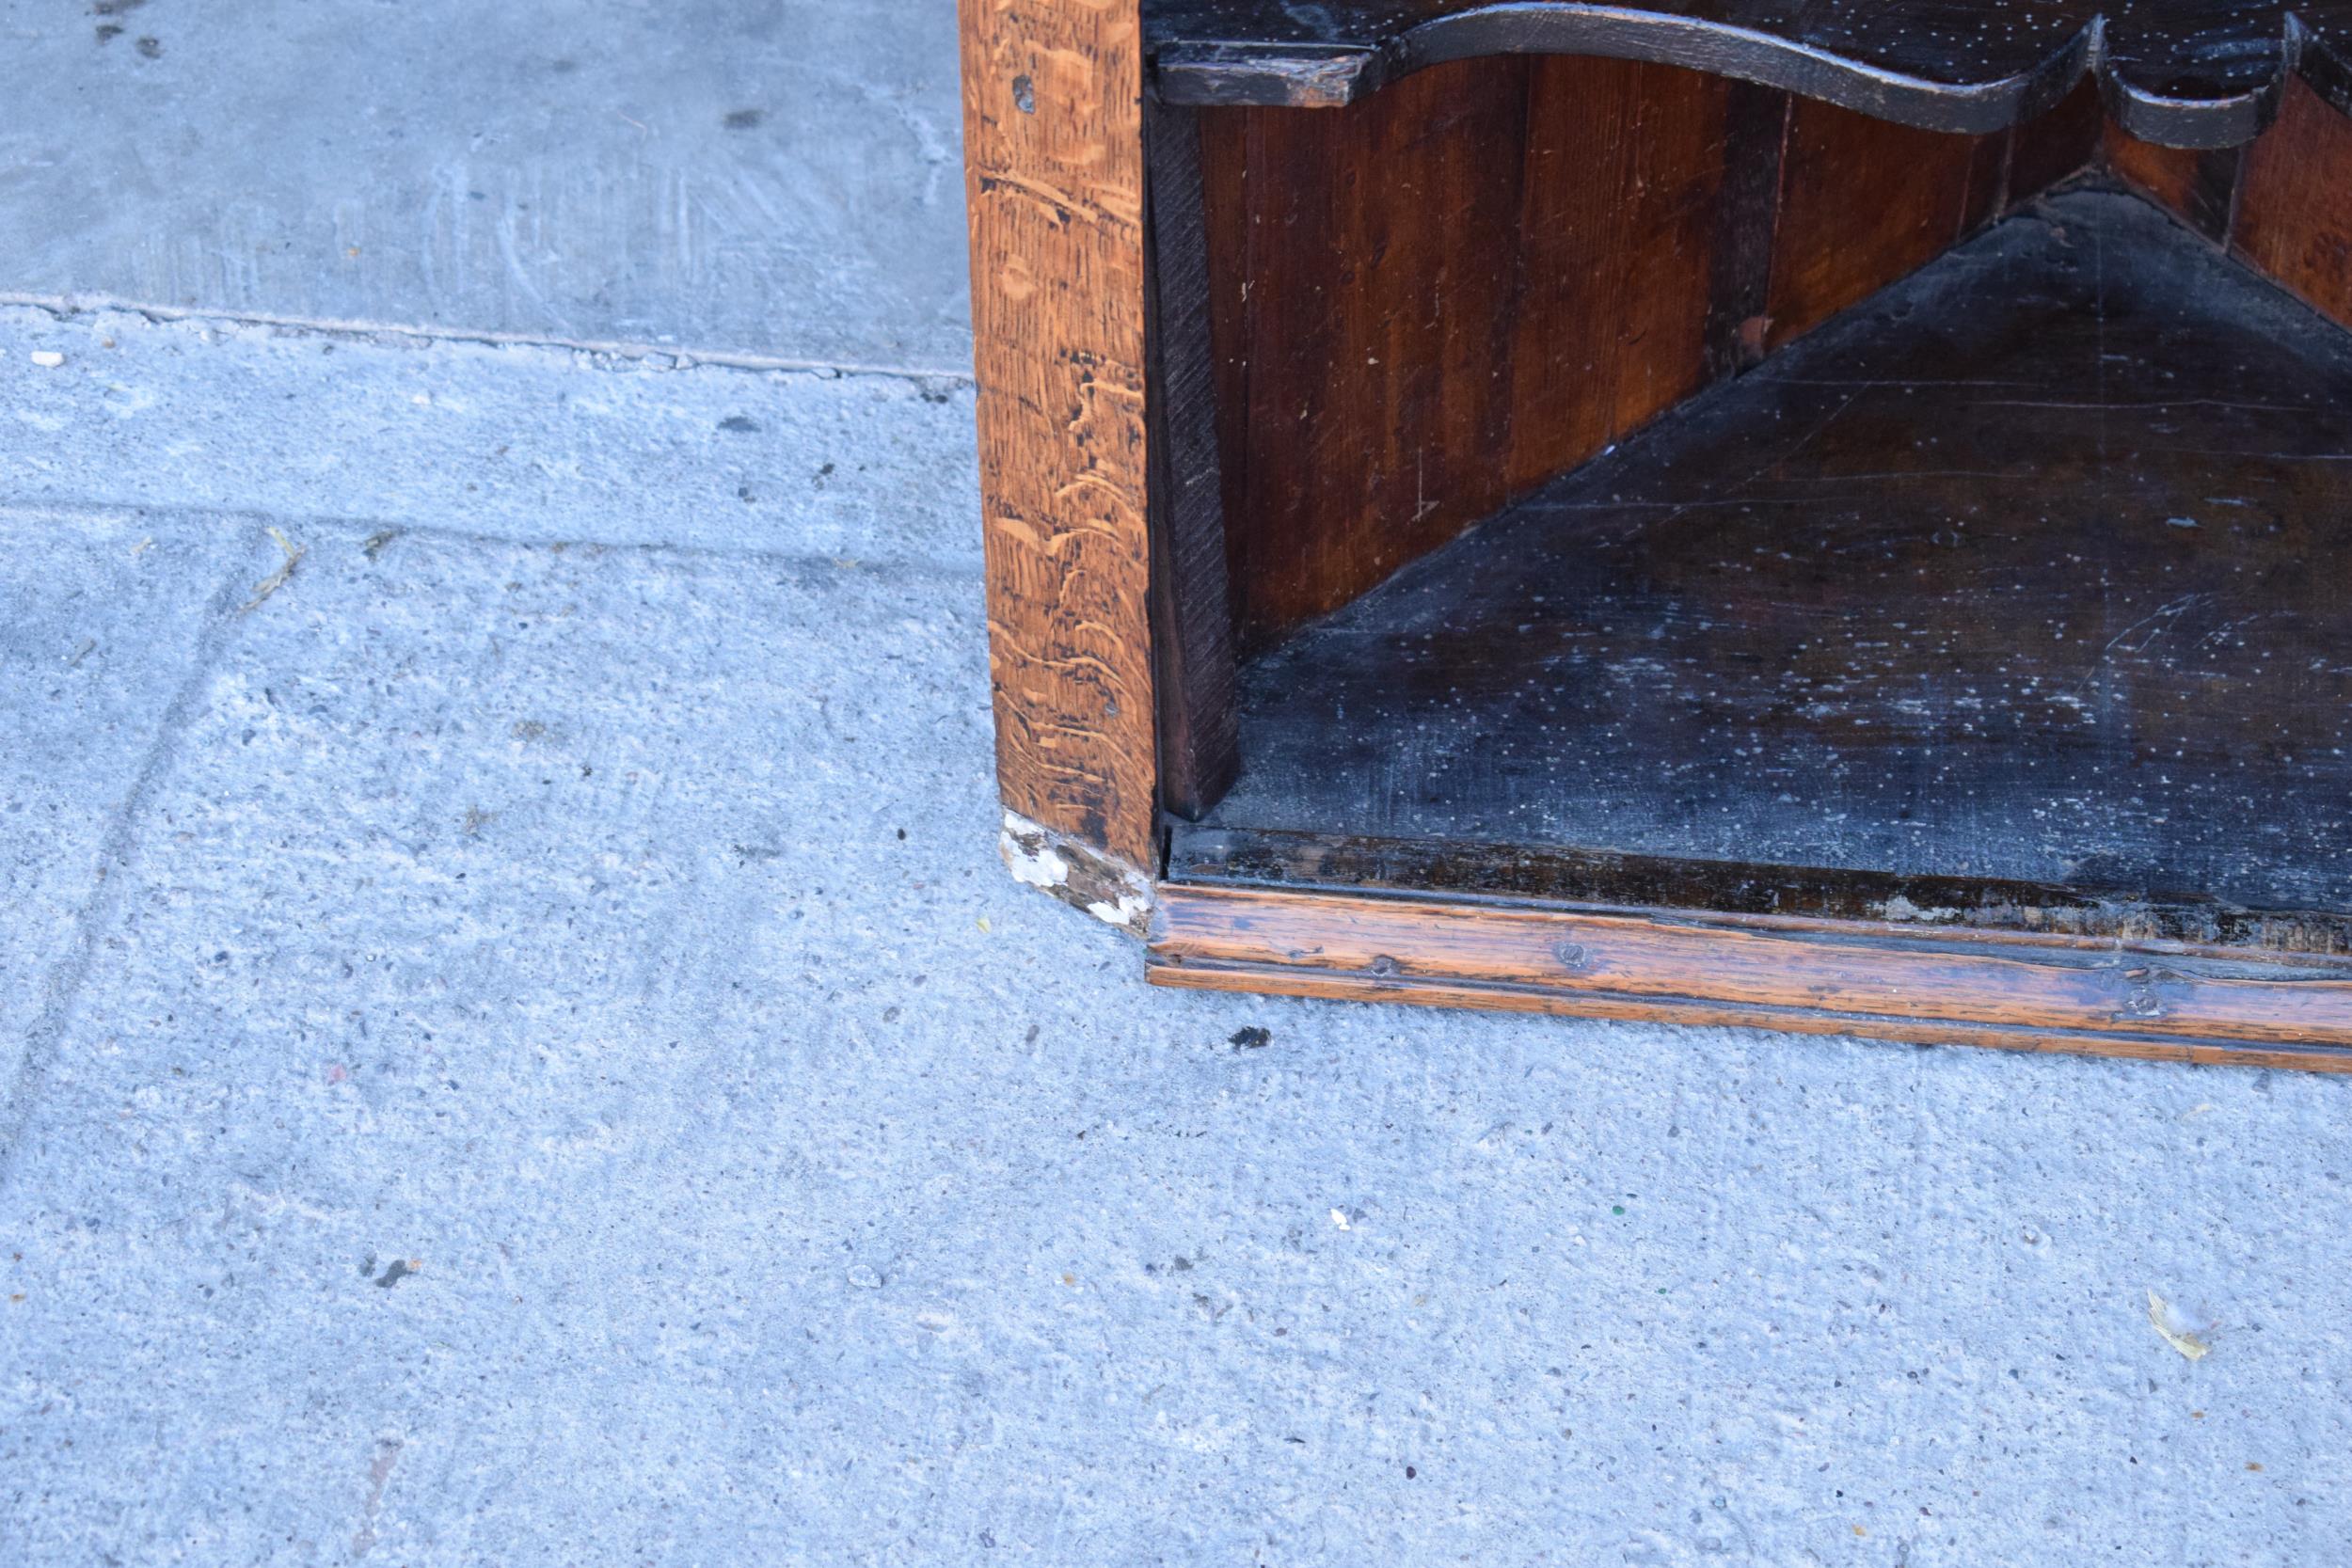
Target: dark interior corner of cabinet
(1600,490)
(2045,613)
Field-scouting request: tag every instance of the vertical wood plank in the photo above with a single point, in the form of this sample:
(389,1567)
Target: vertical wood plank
(2292,219)
(1374,269)
(1192,617)
(1863,202)
(1230,147)
(2055,146)
(2199,188)
(1053,154)
(1746,219)
(1646,233)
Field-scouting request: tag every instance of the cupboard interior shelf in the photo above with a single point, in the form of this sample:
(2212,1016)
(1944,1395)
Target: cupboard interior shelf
(2010,594)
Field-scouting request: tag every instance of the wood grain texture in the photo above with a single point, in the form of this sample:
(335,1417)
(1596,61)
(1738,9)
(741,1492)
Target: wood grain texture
(1862,204)
(2007,574)
(1377,344)
(2199,188)
(1615,881)
(1523,257)
(1643,240)
(2055,146)
(2034,993)
(2295,210)
(1368,313)
(1055,171)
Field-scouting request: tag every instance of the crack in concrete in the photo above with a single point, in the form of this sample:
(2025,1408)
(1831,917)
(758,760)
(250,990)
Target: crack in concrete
(680,358)
(384,532)
(116,852)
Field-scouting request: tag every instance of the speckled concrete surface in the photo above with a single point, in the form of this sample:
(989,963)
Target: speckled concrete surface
(515,1047)
(517,441)
(775,179)
(495,1084)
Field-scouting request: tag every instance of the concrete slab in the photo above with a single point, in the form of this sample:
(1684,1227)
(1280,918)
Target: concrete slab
(521,442)
(780,178)
(107,622)
(565,1079)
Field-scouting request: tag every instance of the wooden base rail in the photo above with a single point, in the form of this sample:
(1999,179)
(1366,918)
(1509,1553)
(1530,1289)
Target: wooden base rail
(1818,977)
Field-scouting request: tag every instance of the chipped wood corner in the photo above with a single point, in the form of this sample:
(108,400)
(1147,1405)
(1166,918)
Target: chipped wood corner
(1078,874)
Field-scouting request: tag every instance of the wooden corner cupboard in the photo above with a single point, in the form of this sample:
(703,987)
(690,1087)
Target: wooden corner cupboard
(1835,518)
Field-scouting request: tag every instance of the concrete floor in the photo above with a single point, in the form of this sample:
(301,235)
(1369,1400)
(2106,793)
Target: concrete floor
(515,1046)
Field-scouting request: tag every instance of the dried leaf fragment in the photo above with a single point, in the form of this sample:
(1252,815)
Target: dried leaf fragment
(2160,1319)
(277,580)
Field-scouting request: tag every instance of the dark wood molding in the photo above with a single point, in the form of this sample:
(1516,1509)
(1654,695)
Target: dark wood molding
(2180,73)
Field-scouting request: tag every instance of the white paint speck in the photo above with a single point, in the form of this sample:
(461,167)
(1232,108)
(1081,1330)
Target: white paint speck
(48,358)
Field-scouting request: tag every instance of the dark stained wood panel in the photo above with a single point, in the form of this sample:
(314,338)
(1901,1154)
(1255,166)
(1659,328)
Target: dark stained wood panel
(2294,209)
(2055,147)
(1862,203)
(1192,618)
(2183,72)
(2045,613)
(1412,326)
(1366,267)
(2199,188)
(1645,236)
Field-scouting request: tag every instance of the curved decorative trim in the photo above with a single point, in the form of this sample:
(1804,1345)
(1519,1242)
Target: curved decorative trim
(2185,74)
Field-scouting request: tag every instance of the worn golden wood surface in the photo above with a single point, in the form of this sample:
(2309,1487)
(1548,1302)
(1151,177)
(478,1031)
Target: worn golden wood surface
(2051,994)
(1054,159)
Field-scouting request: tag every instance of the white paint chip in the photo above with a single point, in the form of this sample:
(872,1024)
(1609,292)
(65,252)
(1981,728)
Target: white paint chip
(48,358)
(1031,851)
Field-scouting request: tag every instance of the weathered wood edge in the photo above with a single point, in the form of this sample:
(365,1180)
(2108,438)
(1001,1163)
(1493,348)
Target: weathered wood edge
(2052,995)
(1726,892)
(1078,874)
(1319,75)
(1054,149)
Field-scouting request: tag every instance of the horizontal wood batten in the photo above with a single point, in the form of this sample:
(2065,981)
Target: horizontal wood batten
(1600,881)
(1838,977)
